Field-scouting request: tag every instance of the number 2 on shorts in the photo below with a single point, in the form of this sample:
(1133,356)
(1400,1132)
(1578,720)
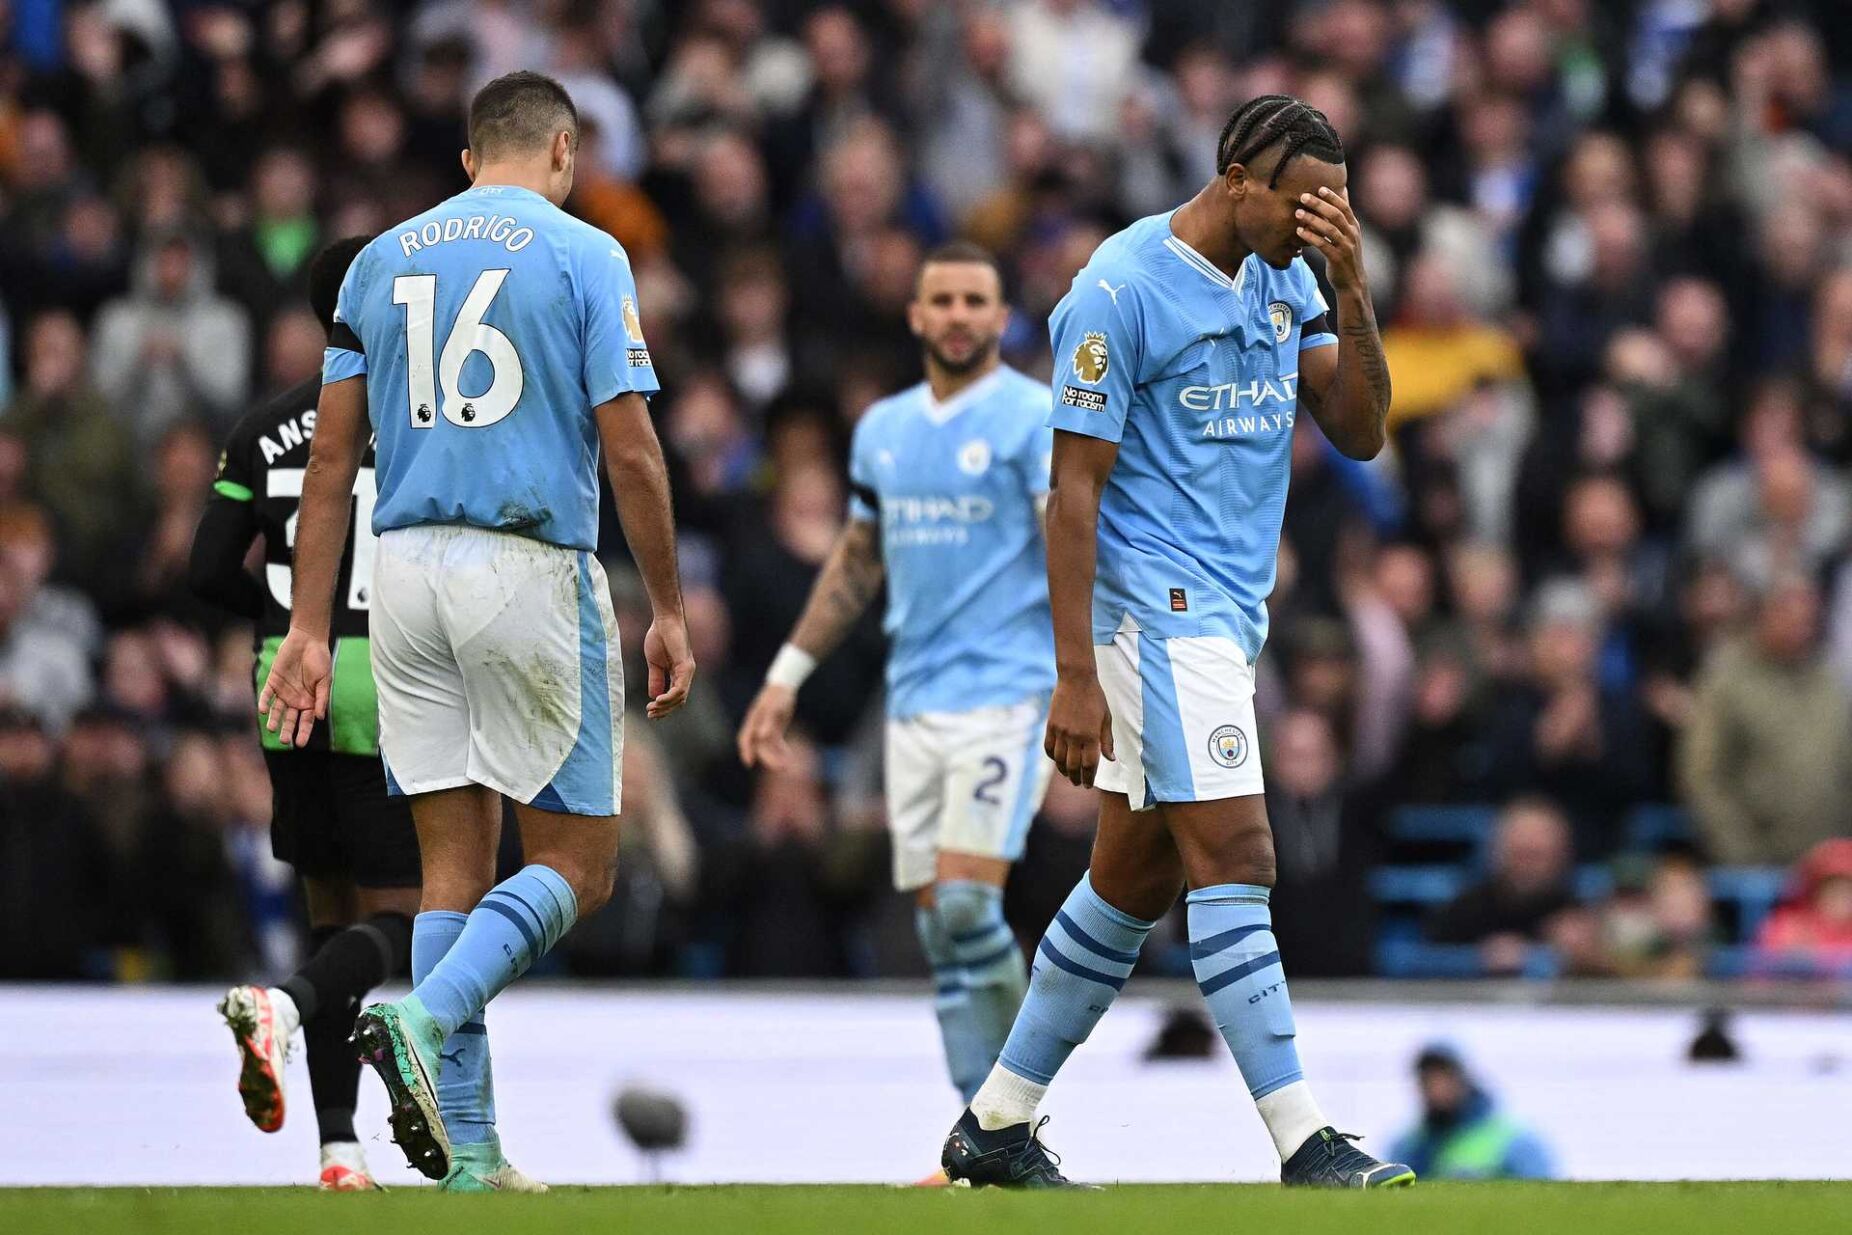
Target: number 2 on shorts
(996,771)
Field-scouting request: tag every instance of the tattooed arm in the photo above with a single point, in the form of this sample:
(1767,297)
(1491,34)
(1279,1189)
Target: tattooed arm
(1346,387)
(848,582)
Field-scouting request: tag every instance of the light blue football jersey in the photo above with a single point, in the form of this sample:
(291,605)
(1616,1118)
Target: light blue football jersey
(488,329)
(1196,376)
(956,487)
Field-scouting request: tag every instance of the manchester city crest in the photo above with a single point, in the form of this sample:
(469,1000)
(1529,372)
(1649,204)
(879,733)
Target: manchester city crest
(1228,746)
(1281,315)
(1090,360)
(974,457)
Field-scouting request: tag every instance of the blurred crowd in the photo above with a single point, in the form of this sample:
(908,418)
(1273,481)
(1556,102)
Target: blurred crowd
(1603,563)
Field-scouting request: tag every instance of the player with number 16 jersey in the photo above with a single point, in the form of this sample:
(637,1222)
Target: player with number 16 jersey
(495,345)
(475,430)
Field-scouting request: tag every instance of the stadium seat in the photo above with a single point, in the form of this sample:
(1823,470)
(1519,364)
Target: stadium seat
(1750,891)
(1461,831)
(1654,826)
(1416,885)
(1592,882)
(1416,958)
(1466,825)
(1728,961)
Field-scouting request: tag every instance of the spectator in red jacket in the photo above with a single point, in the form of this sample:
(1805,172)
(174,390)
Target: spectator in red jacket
(1812,933)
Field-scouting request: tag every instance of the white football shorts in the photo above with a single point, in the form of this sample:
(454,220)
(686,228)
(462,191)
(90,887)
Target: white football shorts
(497,662)
(1182,719)
(964,782)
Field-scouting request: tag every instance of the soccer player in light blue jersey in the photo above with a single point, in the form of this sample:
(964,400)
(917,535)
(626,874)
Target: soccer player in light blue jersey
(495,345)
(948,480)
(1183,353)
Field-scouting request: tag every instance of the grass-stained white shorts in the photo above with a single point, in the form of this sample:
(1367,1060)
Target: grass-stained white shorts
(497,662)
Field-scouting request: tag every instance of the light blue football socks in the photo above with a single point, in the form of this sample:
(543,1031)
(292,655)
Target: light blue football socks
(987,952)
(465,1074)
(978,976)
(1080,966)
(1237,964)
(515,925)
(964,1042)
(1087,955)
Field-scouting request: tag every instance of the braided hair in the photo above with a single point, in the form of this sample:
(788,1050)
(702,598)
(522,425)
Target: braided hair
(1262,122)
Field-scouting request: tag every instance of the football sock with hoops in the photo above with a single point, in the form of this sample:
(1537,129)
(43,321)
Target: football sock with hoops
(965,1047)
(1237,964)
(990,960)
(465,1071)
(1080,966)
(516,924)
(978,976)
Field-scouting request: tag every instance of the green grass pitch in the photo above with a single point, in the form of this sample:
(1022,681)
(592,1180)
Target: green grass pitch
(1208,1209)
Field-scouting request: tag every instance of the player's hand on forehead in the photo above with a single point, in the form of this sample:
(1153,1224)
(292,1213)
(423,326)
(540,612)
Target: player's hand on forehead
(1325,221)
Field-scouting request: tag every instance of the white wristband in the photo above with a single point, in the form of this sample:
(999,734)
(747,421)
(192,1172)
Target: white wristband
(790,667)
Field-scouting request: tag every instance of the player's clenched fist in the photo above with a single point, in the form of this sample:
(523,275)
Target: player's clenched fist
(1326,223)
(1079,729)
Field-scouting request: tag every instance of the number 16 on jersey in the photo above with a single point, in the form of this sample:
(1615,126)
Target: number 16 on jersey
(432,379)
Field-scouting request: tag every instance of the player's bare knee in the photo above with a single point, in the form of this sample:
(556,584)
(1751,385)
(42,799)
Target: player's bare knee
(1153,898)
(1237,859)
(1257,870)
(370,901)
(454,891)
(1145,894)
(595,891)
(591,878)
(1252,857)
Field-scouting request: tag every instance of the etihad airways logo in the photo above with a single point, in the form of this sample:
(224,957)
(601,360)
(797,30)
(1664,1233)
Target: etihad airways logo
(1248,424)
(933,519)
(937,509)
(1267,405)
(1231,396)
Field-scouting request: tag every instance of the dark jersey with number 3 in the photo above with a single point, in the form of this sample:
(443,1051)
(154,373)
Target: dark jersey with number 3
(258,492)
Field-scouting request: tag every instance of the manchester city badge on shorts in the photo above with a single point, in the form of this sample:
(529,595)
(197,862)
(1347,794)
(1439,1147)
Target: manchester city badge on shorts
(1228,746)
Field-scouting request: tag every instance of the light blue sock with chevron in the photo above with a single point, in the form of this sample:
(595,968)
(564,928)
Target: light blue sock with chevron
(1237,964)
(516,924)
(465,1074)
(1081,964)
(989,958)
(965,1048)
